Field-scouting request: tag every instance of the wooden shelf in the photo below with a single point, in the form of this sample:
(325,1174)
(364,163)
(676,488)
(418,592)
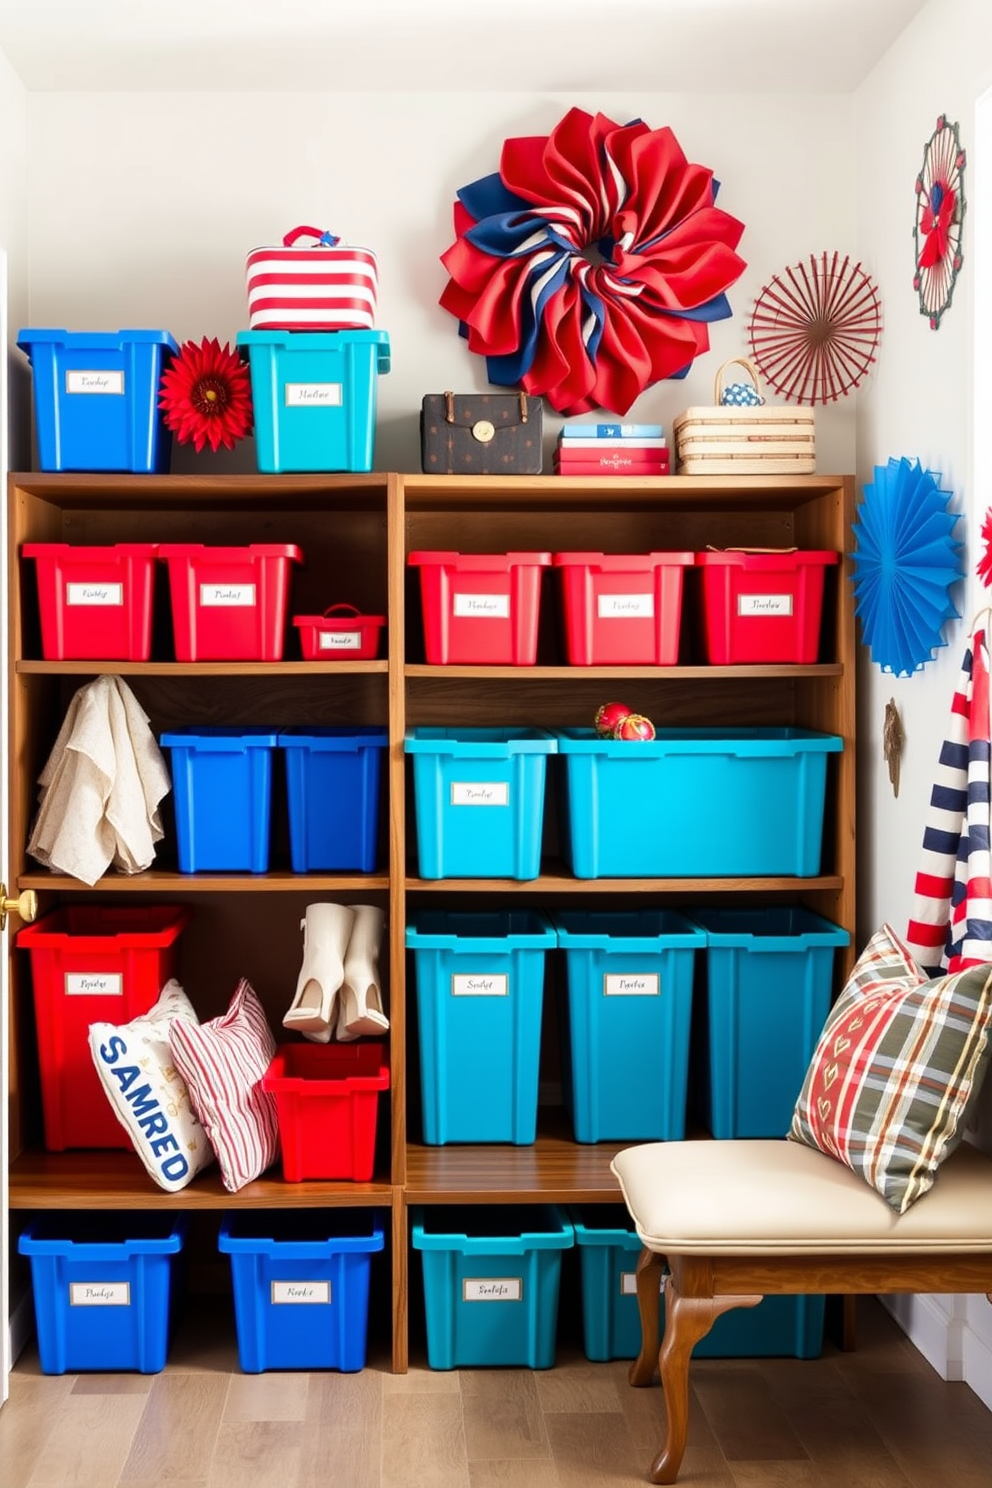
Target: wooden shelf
(417,672)
(266,669)
(117,1180)
(163,881)
(556,1169)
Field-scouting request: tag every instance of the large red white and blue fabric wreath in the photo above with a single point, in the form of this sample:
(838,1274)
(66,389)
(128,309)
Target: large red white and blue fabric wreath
(591,264)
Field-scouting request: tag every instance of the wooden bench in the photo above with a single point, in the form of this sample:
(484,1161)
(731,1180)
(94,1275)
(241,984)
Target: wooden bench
(725,1223)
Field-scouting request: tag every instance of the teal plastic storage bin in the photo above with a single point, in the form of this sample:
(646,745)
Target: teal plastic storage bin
(491,1283)
(480,995)
(334,783)
(479,800)
(96,399)
(222,789)
(768,984)
(627,1020)
(611,1326)
(105,1288)
(301,1286)
(315,396)
(694,802)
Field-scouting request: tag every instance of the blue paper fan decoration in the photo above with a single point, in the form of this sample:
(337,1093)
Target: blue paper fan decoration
(905,562)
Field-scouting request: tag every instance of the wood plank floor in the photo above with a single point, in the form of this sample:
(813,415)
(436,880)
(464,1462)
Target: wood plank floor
(878,1417)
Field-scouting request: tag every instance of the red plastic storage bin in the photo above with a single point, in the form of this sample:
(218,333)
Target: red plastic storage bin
(622,609)
(229,604)
(340,633)
(763,607)
(480,609)
(95,603)
(327,1100)
(93,965)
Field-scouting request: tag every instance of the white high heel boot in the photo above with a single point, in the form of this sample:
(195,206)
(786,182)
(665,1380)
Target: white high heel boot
(326,931)
(360,999)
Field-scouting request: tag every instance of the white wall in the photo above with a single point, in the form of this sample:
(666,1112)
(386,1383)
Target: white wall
(143,207)
(14,238)
(920,404)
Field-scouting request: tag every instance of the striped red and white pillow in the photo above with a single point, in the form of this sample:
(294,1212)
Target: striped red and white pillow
(896,1069)
(222,1062)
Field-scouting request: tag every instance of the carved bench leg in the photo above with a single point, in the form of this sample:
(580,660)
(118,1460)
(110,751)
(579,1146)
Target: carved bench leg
(650,1270)
(687,1320)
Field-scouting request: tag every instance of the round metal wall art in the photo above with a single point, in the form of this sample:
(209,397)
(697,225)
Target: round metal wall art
(815,329)
(940,208)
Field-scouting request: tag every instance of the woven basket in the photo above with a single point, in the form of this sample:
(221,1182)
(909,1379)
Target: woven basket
(720,440)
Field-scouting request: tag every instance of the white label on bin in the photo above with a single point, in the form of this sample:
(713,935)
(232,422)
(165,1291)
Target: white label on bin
(299,1292)
(94,984)
(631,984)
(492,1289)
(625,606)
(94,594)
(628,1283)
(480,984)
(339,640)
(232,596)
(480,606)
(99,1294)
(313,394)
(480,793)
(755,606)
(94,382)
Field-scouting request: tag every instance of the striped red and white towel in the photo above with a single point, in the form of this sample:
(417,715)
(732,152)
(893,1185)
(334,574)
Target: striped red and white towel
(950,925)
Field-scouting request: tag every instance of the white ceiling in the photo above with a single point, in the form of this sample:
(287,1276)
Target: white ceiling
(449,45)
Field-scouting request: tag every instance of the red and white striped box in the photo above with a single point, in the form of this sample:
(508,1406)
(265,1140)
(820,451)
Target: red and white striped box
(321,285)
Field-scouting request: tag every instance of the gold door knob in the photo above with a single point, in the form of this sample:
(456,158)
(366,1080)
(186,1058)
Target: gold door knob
(25,905)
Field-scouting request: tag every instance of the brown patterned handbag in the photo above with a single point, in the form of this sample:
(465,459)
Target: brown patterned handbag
(481,434)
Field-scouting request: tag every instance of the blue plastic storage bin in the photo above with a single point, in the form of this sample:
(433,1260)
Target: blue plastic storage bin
(767,992)
(609,1247)
(627,1020)
(694,802)
(315,395)
(479,800)
(301,1286)
(222,789)
(96,399)
(480,995)
(105,1288)
(334,779)
(491,1283)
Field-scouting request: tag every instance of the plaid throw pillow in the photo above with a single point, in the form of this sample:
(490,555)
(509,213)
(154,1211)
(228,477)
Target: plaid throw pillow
(898,1063)
(222,1062)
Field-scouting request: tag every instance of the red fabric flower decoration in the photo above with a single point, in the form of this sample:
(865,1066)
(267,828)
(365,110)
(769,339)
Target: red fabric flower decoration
(984,566)
(205,394)
(589,267)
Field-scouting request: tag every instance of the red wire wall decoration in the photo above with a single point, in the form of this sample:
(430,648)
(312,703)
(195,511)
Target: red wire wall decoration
(815,329)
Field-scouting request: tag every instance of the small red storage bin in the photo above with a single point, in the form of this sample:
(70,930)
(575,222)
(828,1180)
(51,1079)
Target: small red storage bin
(480,609)
(229,604)
(340,632)
(622,609)
(763,607)
(327,1100)
(93,965)
(95,603)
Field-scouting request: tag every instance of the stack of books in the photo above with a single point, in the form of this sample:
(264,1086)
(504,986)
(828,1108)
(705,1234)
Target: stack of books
(611,449)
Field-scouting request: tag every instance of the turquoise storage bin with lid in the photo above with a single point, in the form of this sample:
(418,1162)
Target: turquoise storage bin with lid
(479,996)
(96,399)
(301,1283)
(608,1245)
(222,789)
(694,802)
(479,800)
(315,396)
(491,1282)
(105,1288)
(627,1015)
(763,1001)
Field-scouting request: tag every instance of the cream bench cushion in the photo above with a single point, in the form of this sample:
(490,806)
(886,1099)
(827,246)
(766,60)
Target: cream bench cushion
(776,1197)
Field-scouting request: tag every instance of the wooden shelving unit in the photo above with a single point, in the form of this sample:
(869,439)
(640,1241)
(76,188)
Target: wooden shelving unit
(355,532)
